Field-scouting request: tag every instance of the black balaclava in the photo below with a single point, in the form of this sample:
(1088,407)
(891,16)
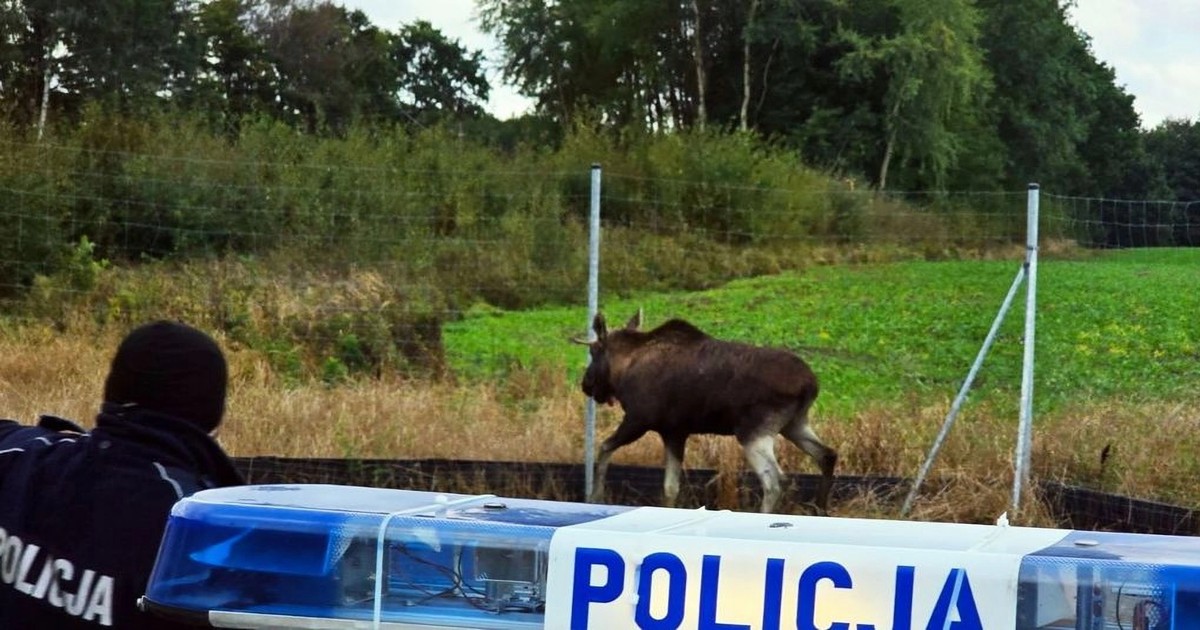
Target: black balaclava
(173,369)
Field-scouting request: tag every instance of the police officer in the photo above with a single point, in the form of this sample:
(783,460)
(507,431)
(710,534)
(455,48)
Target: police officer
(82,513)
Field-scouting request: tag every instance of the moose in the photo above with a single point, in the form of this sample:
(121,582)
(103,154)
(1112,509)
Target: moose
(678,381)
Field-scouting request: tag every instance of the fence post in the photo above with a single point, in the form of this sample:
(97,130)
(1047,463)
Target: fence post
(962,392)
(1025,433)
(589,436)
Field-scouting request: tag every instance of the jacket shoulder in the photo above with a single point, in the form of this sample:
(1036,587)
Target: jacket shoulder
(14,435)
(7,426)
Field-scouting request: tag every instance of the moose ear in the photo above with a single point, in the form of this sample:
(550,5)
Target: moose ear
(635,322)
(600,326)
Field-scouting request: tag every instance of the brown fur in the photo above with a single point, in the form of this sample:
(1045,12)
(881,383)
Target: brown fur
(678,381)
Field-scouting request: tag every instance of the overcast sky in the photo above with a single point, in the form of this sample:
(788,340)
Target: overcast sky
(1153,45)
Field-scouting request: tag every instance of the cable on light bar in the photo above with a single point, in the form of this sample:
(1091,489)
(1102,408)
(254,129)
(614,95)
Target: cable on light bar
(383,526)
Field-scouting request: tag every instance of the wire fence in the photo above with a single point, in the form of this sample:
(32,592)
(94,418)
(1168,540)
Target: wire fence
(334,269)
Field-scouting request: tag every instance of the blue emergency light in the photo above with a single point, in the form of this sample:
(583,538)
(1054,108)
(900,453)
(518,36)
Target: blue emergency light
(314,555)
(323,556)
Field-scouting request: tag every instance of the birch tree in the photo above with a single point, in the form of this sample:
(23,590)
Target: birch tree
(935,74)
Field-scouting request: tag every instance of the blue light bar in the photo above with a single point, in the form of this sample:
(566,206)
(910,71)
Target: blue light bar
(1099,580)
(244,556)
(320,556)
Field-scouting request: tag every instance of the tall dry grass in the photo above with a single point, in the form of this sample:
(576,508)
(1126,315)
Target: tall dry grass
(537,416)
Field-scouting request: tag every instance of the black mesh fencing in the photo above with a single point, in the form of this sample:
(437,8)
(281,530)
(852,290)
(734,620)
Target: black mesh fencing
(626,485)
(1084,508)
(1074,507)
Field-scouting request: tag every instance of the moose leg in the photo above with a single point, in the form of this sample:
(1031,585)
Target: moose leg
(802,435)
(674,447)
(760,454)
(627,432)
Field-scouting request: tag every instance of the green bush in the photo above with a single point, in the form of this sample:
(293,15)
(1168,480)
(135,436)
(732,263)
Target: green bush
(31,210)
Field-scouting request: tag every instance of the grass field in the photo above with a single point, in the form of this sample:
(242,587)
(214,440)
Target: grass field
(1125,325)
(1118,365)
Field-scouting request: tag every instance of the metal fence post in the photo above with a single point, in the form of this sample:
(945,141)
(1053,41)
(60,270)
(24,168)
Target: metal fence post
(1025,434)
(589,437)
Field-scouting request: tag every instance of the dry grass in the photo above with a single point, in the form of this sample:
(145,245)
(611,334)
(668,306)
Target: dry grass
(537,416)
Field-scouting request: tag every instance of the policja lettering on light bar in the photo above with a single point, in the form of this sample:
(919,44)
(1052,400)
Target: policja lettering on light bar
(955,603)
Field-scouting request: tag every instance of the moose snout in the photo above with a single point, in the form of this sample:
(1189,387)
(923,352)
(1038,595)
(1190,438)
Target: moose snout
(596,391)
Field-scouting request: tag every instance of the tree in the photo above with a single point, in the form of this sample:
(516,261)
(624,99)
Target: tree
(935,77)
(798,94)
(626,62)
(541,45)
(323,68)
(235,78)
(1030,45)
(744,114)
(18,82)
(1175,145)
(318,51)
(438,78)
(699,62)
(1064,121)
(1112,148)
(127,52)
(60,54)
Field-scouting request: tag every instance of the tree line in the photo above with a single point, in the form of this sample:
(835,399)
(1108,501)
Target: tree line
(898,94)
(908,94)
(313,64)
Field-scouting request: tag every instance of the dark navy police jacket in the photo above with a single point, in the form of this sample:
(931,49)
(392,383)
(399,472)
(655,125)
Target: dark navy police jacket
(82,514)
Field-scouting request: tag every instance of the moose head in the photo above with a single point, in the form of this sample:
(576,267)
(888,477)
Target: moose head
(598,379)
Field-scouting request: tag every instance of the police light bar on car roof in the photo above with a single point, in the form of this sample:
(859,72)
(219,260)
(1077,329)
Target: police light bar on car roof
(321,556)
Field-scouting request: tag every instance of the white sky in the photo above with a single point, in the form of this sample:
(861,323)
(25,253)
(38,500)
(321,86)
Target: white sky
(1153,45)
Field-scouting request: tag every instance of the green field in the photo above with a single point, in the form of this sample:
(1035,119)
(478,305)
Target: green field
(1118,325)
